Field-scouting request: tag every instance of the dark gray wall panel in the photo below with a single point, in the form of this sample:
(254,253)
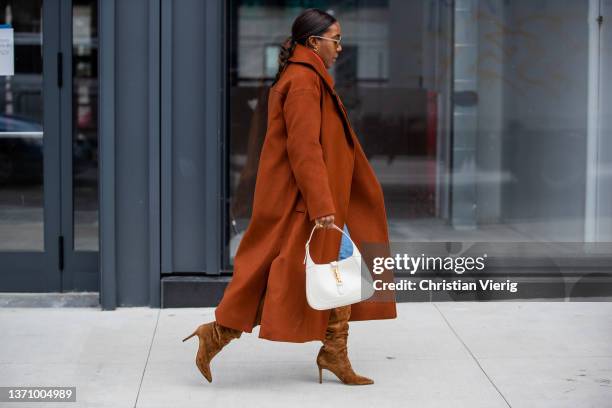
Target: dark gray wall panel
(154,154)
(191,36)
(188,135)
(131,150)
(130,153)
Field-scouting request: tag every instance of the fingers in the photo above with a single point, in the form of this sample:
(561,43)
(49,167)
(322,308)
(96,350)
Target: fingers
(326,221)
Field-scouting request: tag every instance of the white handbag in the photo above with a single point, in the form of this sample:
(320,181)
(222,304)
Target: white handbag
(338,283)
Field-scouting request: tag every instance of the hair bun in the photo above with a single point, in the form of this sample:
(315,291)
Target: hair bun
(310,22)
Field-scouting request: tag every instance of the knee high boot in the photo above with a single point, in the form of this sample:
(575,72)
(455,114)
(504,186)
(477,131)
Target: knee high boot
(333,355)
(213,337)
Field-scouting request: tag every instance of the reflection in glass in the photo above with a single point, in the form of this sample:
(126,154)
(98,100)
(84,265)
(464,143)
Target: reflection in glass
(21,132)
(472,113)
(85,124)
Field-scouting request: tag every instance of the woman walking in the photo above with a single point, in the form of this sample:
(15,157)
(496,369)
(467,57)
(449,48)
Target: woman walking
(312,169)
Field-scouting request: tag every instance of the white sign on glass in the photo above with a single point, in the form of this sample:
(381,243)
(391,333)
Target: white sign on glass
(7,52)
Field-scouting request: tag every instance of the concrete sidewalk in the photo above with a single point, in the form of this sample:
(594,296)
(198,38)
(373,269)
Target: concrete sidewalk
(449,354)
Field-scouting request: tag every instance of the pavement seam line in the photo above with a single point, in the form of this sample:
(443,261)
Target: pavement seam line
(471,354)
(144,370)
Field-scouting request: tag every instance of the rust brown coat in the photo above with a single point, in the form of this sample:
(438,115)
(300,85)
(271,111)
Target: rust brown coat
(311,165)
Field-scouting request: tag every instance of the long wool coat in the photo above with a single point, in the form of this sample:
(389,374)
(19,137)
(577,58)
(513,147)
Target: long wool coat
(311,165)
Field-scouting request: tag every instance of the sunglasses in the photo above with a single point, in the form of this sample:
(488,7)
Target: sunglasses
(336,40)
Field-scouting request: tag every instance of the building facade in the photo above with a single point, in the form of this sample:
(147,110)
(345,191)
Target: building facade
(132,129)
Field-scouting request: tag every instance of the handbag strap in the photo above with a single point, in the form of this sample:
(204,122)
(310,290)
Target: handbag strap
(312,232)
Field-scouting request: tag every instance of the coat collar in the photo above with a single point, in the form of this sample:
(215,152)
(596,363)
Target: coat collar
(305,55)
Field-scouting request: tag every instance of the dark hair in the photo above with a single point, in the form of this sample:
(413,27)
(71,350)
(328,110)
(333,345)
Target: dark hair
(311,21)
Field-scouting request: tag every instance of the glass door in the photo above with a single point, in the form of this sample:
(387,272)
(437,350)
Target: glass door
(79,144)
(48,147)
(29,147)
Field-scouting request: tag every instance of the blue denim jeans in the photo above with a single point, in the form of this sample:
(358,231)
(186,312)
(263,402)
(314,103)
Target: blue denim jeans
(346,248)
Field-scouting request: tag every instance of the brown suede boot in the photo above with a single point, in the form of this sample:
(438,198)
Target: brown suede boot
(213,337)
(333,355)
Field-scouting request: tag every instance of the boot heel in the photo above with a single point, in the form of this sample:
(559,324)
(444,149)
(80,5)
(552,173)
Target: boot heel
(320,375)
(191,335)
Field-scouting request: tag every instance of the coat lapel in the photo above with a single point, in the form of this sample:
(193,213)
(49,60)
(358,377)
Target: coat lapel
(305,56)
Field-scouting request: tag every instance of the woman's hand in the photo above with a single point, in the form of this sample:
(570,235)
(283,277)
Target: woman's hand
(326,221)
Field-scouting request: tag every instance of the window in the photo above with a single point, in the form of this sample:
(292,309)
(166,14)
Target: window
(472,113)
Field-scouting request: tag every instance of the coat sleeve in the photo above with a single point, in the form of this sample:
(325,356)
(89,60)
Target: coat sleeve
(302,112)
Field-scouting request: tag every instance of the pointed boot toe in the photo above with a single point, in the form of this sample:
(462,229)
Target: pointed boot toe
(202,364)
(339,364)
(361,380)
